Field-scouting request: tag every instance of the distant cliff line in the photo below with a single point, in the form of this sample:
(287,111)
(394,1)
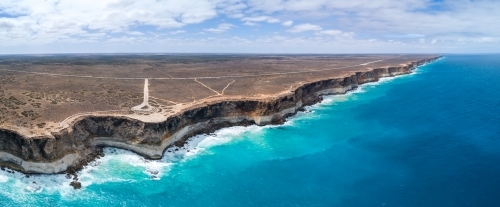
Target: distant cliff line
(71,148)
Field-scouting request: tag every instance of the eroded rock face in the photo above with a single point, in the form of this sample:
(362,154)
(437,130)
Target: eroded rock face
(33,154)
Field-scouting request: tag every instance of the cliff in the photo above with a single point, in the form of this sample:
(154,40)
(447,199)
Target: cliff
(73,147)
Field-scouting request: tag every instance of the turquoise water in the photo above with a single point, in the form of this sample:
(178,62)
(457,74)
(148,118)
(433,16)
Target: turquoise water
(427,139)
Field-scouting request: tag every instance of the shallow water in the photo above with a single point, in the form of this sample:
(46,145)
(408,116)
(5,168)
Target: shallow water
(431,138)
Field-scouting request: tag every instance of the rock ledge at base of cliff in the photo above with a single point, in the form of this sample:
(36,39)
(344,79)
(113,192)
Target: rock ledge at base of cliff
(71,148)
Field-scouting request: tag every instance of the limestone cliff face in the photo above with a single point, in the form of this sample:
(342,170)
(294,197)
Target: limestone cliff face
(73,147)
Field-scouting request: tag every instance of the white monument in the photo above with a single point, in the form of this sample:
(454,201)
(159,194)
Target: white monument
(144,107)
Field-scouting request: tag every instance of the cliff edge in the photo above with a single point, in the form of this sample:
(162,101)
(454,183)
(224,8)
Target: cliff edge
(82,140)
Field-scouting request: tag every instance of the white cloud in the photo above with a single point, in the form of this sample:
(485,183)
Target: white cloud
(336,33)
(305,27)
(393,16)
(330,32)
(220,28)
(405,35)
(250,24)
(38,22)
(287,23)
(177,32)
(124,39)
(135,33)
(231,8)
(417,22)
(273,20)
(268,19)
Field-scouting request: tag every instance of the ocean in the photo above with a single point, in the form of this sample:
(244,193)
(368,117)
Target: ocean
(431,138)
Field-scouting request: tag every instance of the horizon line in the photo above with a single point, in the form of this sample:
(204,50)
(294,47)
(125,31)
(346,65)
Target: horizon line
(229,53)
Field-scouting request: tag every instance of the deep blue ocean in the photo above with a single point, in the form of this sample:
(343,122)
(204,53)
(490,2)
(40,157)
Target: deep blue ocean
(431,138)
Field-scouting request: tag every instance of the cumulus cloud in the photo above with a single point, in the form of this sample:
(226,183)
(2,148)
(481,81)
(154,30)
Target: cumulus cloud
(178,32)
(305,27)
(51,20)
(336,33)
(250,24)
(330,32)
(231,8)
(393,16)
(268,19)
(124,39)
(426,22)
(319,31)
(287,23)
(220,28)
(135,33)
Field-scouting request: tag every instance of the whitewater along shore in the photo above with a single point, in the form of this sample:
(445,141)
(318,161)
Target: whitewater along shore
(83,138)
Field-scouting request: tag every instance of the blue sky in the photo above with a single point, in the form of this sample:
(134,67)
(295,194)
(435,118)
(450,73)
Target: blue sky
(249,26)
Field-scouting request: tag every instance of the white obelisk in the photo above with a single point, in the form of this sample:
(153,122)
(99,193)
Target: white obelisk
(146,92)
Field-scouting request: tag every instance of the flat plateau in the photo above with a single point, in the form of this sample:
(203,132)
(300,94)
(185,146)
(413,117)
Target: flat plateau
(57,112)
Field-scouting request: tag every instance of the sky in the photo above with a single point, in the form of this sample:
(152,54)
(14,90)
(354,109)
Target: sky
(249,26)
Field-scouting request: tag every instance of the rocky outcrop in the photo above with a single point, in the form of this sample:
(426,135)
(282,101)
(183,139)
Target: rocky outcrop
(71,148)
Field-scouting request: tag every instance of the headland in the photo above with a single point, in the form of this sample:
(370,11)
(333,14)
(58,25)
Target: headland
(57,113)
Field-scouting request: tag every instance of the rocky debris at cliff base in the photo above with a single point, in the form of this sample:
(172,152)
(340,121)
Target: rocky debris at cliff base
(74,176)
(90,155)
(76,185)
(33,187)
(153,173)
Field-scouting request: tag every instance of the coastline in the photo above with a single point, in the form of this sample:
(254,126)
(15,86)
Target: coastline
(82,141)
